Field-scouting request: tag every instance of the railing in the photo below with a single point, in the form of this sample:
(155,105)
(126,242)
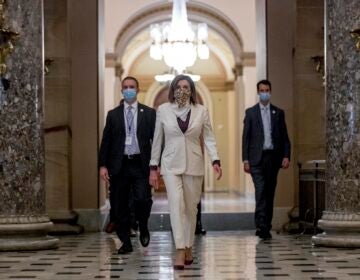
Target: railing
(311,193)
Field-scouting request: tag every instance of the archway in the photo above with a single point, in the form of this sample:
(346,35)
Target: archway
(131,50)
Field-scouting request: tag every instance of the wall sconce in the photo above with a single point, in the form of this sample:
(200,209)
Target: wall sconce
(319,63)
(7,37)
(47,64)
(319,66)
(355,33)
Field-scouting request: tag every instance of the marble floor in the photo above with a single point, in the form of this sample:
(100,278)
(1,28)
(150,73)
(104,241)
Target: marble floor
(220,202)
(218,255)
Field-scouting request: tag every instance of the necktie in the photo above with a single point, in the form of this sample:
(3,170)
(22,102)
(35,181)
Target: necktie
(130,148)
(267,128)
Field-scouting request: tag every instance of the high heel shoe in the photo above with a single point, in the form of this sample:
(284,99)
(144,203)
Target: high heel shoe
(188,256)
(179,267)
(180,259)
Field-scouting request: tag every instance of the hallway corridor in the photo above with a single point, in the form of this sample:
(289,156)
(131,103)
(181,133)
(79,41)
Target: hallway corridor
(218,255)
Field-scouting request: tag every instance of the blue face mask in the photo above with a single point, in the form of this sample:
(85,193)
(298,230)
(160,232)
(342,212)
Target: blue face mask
(264,96)
(129,94)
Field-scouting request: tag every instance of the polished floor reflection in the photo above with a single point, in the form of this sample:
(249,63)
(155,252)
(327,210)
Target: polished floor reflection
(218,255)
(222,202)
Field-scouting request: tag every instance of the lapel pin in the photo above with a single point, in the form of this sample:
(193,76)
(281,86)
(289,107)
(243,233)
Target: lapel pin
(141,110)
(273,112)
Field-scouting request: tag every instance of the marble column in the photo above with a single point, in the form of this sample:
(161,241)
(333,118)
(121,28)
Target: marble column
(23,220)
(341,220)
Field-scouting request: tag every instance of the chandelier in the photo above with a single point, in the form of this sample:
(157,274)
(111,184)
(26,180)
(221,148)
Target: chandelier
(179,42)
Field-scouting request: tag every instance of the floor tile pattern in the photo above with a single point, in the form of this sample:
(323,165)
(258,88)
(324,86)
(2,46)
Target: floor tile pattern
(228,255)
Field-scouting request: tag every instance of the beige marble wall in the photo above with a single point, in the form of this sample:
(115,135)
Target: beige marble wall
(309,98)
(84,53)
(309,89)
(57,106)
(71,110)
(281,17)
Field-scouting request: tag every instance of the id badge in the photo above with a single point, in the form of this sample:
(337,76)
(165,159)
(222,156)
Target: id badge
(128,140)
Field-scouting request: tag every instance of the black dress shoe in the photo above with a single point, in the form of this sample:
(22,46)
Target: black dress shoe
(199,229)
(144,237)
(125,249)
(132,232)
(257,232)
(265,235)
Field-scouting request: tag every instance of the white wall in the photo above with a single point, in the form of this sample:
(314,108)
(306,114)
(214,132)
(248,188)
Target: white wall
(242,14)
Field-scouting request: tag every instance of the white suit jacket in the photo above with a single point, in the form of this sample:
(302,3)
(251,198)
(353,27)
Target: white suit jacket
(181,152)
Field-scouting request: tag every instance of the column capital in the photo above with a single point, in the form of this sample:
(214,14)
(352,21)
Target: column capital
(119,70)
(238,70)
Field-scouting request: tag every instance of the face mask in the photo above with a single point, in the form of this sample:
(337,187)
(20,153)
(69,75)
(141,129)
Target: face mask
(129,94)
(264,96)
(182,96)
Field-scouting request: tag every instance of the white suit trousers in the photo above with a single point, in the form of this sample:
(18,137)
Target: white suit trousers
(184,193)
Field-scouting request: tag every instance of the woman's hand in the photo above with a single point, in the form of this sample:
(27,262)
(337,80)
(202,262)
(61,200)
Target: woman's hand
(154,178)
(217,170)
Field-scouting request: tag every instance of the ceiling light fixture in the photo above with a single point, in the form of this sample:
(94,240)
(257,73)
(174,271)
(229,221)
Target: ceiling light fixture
(179,42)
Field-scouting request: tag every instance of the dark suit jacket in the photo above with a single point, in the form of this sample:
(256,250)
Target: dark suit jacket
(253,135)
(113,140)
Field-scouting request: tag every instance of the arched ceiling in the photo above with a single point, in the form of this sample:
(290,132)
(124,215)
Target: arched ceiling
(197,12)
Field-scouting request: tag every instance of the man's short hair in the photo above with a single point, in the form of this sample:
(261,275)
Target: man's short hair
(130,78)
(263,82)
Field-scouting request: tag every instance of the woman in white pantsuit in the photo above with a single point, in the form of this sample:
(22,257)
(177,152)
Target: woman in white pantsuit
(179,126)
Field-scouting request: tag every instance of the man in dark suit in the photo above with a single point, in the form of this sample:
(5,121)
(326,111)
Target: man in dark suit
(124,162)
(265,149)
